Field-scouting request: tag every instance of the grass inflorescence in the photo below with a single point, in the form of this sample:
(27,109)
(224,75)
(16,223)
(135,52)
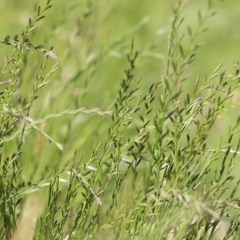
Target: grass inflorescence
(142,166)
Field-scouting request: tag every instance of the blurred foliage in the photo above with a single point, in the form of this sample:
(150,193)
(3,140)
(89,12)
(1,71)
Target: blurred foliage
(91,39)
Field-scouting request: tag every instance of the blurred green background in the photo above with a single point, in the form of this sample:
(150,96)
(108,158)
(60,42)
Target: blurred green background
(91,39)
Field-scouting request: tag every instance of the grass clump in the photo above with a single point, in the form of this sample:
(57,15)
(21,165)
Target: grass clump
(145,167)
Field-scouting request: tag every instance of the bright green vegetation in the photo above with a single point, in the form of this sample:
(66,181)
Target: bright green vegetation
(127,128)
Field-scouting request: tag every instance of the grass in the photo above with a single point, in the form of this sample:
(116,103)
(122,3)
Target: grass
(116,139)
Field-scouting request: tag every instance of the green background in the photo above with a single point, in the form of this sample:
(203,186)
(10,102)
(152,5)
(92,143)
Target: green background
(91,40)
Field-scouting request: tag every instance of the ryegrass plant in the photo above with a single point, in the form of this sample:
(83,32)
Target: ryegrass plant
(153,173)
